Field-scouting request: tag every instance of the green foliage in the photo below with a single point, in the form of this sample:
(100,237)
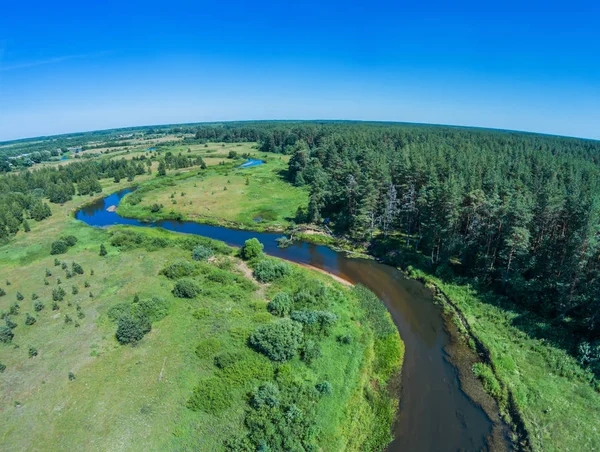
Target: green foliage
(9,323)
(278,340)
(269,270)
(74,290)
(55,306)
(2,368)
(186,288)
(71,376)
(77,268)
(252,249)
(202,253)
(132,329)
(2,292)
(38,306)
(58,294)
(211,395)
(29,319)
(208,348)
(20,296)
(267,394)
(6,334)
(32,351)
(324,388)
(280,305)
(14,309)
(48,273)
(58,247)
(310,351)
(375,312)
(153,309)
(103,251)
(179,269)
(316,322)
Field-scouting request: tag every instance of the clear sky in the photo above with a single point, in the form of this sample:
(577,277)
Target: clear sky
(86,65)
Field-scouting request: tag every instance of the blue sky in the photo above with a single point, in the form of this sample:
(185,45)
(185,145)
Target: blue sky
(76,66)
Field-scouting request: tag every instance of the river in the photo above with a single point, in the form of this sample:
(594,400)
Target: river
(435,413)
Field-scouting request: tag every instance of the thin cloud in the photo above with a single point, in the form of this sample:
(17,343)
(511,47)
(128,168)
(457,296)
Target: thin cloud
(55,60)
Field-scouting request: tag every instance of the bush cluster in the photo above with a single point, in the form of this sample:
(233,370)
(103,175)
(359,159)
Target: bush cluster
(280,305)
(61,245)
(269,270)
(278,340)
(179,269)
(186,288)
(251,250)
(202,253)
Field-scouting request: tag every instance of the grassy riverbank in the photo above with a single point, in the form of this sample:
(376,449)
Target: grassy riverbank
(190,381)
(550,390)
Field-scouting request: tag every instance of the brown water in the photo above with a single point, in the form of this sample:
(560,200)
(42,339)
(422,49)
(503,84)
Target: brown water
(435,414)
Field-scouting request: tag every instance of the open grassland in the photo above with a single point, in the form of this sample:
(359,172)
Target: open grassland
(551,391)
(186,384)
(255,197)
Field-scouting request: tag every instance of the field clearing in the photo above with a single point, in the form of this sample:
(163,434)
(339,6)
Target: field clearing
(256,197)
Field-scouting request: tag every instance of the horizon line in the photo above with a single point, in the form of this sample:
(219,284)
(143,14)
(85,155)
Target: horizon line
(496,129)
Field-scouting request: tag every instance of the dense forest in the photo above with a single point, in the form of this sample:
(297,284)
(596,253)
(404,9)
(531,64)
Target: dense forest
(512,211)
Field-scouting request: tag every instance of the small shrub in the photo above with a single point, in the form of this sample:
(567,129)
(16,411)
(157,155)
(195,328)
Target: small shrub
(324,388)
(132,329)
(68,319)
(86,284)
(153,309)
(252,249)
(212,395)
(310,351)
(32,351)
(64,265)
(58,281)
(70,240)
(55,306)
(186,288)
(2,368)
(178,270)
(280,305)
(29,319)
(9,323)
(202,253)
(14,309)
(38,306)
(2,292)
(58,247)
(71,376)
(58,294)
(279,340)
(20,296)
(34,296)
(270,270)
(46,282)
(77,268)
(267,394)
(48,273)
(74,290)
(103,251)
(345,339)
(155,208)
(227,359)
(69,275)
(56,262)
(6,334)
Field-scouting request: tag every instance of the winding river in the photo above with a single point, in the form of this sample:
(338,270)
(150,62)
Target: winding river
(435,414)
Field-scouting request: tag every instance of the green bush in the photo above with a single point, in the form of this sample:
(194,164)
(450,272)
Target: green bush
(9,323)
(32,351)
(70,240)
(315,321)
(186,288)
(280,305)
(48,273)
(310,351)
(208,347)
(55,306)
(2,292)
(103,250)
(77,268)
(14,309)
(252,249)
(132,329)
(58,294)
(153,309)
(29,319)
(74,290)
(278,340)
(20,296)
(71,376)
(267,394)
(34,296)
(2,368)
(227,359)
(58,247)
(324,388)
(270,270)
(6,334)
(116,311)
(202,253)
(179,269)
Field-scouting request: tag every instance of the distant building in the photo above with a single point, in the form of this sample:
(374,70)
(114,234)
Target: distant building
(76,149)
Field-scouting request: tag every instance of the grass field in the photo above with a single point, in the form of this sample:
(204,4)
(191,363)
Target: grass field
(255,197)
(127,397)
